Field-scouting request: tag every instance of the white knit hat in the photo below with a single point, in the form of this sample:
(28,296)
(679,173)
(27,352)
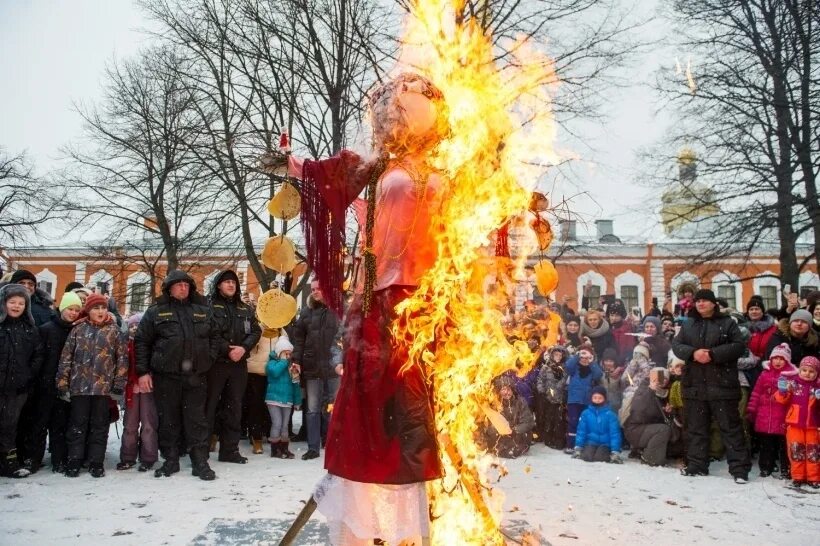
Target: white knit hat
(282,344)
(642,349)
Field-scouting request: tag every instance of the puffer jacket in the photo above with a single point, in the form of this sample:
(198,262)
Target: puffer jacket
(21,348)
(281,388)
(579,389)
(235,322)
(802,405)
(54,334)
(552,379)
(313,335)
(802,347)
(177,337)
(94,361)
(767,414)
(598,426)
(717,380)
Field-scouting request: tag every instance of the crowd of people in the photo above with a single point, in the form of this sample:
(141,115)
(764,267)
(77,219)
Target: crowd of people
(195,374)
(694,383)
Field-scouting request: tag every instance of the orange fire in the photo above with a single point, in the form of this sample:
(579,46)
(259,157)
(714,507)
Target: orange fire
(502,130)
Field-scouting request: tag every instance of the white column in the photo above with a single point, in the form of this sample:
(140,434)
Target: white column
(79,272)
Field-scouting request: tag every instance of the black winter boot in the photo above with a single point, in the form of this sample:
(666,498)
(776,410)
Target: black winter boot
(11,466)
(232,457)
(168,468)
(72,469)
(96,470)
(203,471)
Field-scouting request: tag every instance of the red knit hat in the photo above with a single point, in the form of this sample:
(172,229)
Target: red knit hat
(92,300)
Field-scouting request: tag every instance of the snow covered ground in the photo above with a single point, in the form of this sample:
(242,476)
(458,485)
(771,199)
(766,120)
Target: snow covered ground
(572,502)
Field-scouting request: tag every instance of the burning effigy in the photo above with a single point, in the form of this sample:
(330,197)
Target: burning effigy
(459,143)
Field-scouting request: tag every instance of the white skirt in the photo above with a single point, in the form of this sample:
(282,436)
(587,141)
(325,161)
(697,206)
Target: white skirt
(358,512)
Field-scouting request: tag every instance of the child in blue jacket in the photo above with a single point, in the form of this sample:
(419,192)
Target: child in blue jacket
(282,395)
(583,373)
(599,434)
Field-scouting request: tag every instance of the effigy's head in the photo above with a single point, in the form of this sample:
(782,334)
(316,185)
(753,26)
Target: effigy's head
(408,115)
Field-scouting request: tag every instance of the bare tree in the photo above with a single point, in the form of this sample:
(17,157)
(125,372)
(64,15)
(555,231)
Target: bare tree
(139,178)
(752,116)
(258,68)
(26,201)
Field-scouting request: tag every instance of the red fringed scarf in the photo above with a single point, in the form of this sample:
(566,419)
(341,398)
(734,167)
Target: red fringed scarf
(330,186)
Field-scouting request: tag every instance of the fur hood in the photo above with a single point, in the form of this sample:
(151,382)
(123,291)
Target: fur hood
(176,276)
(7,292)
(783,328)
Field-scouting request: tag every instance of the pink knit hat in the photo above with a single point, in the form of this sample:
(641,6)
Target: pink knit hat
(811,362)
(783,350)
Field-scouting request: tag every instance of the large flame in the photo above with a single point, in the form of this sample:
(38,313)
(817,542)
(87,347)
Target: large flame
(501,142)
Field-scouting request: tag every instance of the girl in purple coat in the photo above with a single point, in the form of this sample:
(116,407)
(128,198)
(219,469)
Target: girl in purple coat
(769,416)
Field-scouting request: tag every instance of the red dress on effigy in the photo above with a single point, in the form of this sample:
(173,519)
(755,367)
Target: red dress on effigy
(381,429)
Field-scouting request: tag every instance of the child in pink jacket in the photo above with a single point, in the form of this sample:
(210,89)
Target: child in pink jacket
(768,415)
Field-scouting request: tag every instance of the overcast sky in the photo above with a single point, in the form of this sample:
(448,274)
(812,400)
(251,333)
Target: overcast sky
(53,52)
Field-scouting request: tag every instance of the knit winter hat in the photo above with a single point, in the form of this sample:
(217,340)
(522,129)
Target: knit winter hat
(811,362)
(641,349)
(70,299)
(282,344)
(93,300)
(609,354)
(134,319)
(705,294)
(616,308)
(756,301)
(783,350)
(653,320)
(801,314)
(23,274)
(598,389)
(72,285)
(576,320)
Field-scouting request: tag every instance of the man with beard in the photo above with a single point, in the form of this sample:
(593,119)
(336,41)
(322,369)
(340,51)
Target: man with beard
(238,332)
(175,345)
(710,344)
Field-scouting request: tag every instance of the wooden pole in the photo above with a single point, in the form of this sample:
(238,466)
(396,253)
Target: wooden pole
(300,521)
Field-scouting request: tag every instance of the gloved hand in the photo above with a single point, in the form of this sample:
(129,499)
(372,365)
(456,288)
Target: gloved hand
(783,385)
(65,396)
(615,458)
(577,453)
(817,393)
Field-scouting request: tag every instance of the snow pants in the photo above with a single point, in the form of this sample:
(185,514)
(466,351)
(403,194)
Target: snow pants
(49,418)
(555,425)
(88,426)
(804,453)
(573,416)
(140,430)
(11,404)
(773,451)
(699,415)
(180,403)
(255,417)
(595,454)
(652,440)
(226,390)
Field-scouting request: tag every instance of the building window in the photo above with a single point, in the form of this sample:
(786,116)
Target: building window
(728,292)
(806,290)
(138,295)
(102,288)
(629,295)
(769,295)
(45,286)
(593,295)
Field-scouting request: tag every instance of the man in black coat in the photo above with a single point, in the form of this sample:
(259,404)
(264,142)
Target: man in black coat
(42,306)
(710,344)
(314,335)
(175,345)
(239,332)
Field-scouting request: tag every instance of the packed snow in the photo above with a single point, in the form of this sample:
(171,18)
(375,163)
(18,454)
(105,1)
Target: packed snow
(569,501)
